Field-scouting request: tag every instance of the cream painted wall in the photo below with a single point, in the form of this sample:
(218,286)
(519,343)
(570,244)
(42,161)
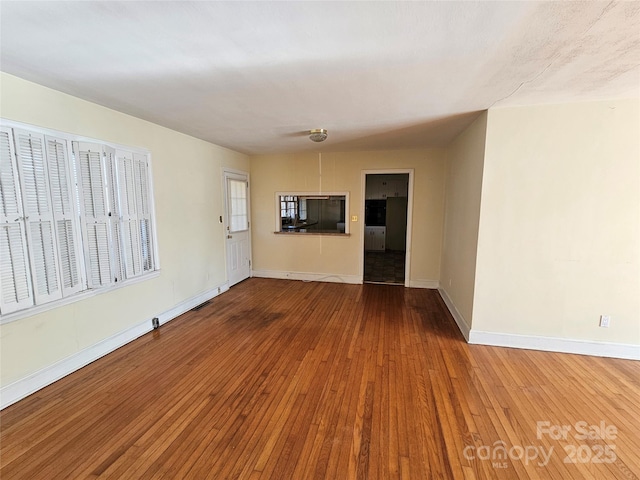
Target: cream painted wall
(188,199)
(340,256)
(462,213)
(559,237)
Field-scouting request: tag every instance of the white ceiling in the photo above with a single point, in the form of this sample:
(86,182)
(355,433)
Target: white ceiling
(252,76)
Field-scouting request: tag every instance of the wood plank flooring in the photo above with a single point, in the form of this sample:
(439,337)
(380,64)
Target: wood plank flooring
(280,379)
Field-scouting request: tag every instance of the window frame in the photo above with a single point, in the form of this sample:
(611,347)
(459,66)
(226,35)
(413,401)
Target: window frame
(288,193)
(87,290)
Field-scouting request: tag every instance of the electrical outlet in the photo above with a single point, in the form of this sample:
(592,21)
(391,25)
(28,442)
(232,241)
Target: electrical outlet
(155,322)
(605,320)
(354,218)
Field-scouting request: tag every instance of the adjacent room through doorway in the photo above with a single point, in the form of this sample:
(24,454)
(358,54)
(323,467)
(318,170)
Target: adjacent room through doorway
(385,235)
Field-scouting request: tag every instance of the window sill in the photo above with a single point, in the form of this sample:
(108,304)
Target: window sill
(31,311)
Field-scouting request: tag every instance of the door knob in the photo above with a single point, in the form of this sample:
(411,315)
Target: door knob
(229,236)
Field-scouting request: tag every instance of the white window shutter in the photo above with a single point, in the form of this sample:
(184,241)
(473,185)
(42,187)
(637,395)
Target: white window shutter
(117,263)
(95,207)
(15,283)
(129,180)
(144,212)
(36,199)
(64,214)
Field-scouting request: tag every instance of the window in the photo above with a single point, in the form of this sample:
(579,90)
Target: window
(291,206)
(74,216)
(312,213)
(238,215)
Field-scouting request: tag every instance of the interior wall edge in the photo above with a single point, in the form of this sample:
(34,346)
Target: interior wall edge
(462,323)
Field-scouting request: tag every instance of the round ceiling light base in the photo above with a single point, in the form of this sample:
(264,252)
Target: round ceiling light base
(318,135)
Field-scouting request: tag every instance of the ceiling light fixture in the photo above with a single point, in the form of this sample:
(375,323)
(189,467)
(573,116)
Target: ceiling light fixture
(318,135)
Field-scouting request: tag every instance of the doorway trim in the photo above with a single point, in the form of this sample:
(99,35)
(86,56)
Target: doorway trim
(363,182)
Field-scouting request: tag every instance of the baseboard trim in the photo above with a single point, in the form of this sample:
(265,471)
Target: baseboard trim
(430,284)
(534,342)
(554,344)
(10,394)
(463,326)
(307,276)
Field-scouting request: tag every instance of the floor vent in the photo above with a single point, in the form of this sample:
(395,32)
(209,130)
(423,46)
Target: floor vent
(203,304)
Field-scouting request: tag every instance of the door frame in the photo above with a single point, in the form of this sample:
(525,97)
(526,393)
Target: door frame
(225,217)
(388,171)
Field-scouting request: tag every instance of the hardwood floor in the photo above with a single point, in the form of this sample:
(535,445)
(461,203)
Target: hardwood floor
(280,379)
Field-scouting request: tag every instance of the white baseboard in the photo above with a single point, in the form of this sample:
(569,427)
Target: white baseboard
(534,342)
(554,344)
(307,276)
(430,284)
(457,316)
(24,387)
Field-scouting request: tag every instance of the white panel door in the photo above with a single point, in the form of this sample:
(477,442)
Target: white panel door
(237,233)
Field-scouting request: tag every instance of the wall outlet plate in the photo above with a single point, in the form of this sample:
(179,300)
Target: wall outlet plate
(354,218)
(605,320)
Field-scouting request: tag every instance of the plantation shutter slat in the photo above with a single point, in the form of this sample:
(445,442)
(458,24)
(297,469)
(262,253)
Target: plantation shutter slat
(15,283)
(41,235)
(96,221)
(65,217)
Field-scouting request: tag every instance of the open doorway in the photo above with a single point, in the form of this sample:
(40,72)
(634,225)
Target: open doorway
(385,232)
